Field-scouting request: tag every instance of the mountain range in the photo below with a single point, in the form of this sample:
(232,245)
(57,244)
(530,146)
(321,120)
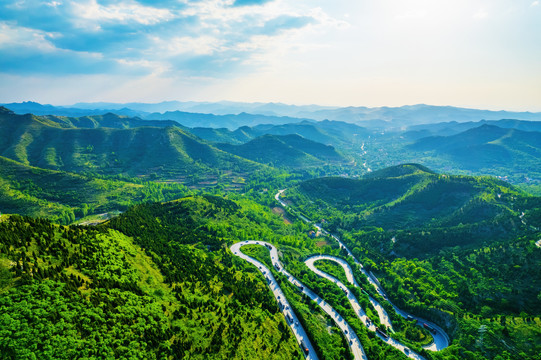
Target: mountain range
(118,145)
(488,146)
(170,152)
(250,113)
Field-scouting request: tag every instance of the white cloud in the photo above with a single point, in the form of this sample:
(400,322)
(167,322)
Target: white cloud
(31,38)
(481,14)
(535,3)
(201,45)
(122,12)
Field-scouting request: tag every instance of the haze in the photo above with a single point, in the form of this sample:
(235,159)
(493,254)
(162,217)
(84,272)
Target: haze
(482,54)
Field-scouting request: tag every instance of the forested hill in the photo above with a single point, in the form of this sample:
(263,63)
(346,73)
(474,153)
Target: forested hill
(410,196)
(155,283)
(108,120)
(286,150)
(488,147)
(62,196)
(167,152)
(336,133)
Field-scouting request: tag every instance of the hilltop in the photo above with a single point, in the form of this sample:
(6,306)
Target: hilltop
(285,150)
(411,197)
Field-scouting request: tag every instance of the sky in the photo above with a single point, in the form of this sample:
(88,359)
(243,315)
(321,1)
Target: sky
(471,53)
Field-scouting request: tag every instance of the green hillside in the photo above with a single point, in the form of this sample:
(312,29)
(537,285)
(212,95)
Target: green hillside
(411,197)
(223,135)
(287,150)
(90,292)
(336,133)
(109,120)
(460,251)
(488,148)
(63,196)
(168,152)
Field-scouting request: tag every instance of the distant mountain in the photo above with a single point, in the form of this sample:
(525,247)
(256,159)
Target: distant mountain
(141,107)
(219,121)
(335,133)
(381,118)
(29,107)
(451,128)
(216,108)
(168,152)
(108,120)
(488,146)
(375,118)
(285,150)
(396,117)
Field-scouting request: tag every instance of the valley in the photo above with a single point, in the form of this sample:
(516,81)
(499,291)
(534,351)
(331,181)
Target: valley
(156,237)
(270,180)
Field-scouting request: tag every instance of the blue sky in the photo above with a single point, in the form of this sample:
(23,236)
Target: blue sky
(484,54)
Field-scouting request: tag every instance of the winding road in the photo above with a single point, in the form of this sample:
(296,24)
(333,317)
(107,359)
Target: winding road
(296,327)
(441,339)
(384,318)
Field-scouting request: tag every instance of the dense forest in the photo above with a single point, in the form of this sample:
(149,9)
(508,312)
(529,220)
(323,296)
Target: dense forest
(181,296)
(115,240)
(480,274)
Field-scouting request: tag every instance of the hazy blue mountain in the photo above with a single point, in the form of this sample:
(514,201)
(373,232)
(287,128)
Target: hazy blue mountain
(220,121)
(414,114)
(335,133)
(216,108)
(29,107)
(376,118)
(453,127)
(141,107)
(488,146)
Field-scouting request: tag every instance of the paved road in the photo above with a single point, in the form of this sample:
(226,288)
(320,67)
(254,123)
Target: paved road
(277,197)
(355,303)
(298,330)
(441,340)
